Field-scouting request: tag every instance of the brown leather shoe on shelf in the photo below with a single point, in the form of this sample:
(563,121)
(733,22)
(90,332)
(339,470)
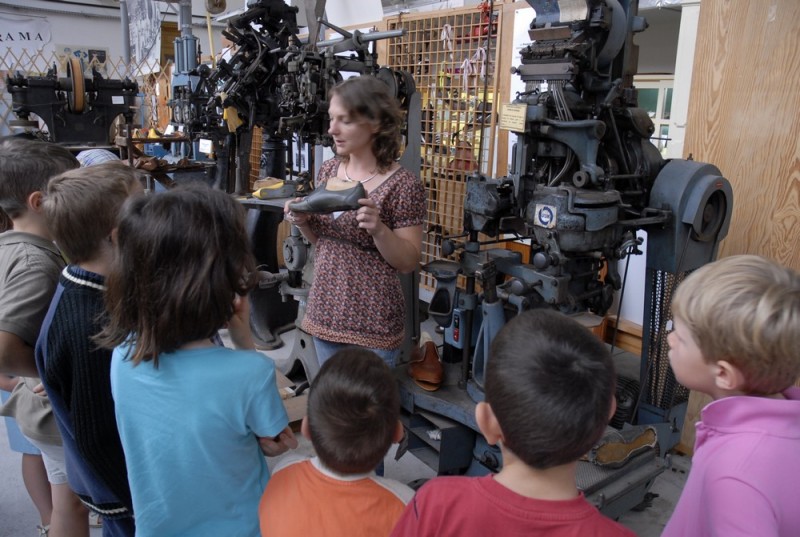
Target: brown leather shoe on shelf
(425,367)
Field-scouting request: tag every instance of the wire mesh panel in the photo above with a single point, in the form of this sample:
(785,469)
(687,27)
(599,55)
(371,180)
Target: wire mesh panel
(663,391)
(453,56)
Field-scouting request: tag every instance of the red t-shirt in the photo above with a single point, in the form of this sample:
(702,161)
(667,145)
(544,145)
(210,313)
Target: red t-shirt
(480,507)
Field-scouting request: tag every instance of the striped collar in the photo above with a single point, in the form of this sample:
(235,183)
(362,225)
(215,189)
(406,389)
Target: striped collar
(79,276)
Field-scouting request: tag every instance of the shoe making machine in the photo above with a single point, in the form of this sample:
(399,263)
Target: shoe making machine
(76,111)
(584,180)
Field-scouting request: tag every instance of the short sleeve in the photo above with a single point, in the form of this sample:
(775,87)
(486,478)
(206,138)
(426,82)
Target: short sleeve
(27,290)
(266,415)
(407,206)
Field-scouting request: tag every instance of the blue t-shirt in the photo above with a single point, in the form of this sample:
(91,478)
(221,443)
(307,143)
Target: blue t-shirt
(189,433)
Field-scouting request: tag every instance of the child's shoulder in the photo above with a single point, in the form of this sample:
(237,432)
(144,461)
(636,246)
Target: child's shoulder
(17,244)
(401,491)
(22,237)
(449,486)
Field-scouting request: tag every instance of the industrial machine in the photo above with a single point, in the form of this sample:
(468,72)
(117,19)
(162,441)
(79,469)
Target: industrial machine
(584,180)
(77,111)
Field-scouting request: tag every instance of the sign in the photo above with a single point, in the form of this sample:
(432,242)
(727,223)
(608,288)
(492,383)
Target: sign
(512,117)
(24,33)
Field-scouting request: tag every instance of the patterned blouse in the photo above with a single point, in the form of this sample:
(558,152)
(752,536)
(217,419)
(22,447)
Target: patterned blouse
(356,296)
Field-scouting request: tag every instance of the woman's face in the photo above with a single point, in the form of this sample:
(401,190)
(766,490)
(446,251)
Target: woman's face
(351,134)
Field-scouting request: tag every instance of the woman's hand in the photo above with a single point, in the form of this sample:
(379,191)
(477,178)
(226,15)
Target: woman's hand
(399,247)
(298,219)
(272,447)
(369,217)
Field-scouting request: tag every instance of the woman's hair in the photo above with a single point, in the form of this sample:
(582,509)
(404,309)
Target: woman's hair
(368,98)
(745,309)
(182,257)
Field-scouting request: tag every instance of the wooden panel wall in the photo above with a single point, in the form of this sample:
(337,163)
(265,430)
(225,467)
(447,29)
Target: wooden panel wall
(744,117)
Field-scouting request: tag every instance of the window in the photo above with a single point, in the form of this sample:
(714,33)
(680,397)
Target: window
(655,96)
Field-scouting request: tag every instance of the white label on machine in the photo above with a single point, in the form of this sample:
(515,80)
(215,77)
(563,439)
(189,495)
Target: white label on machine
(206,146)
(545,216)
(169,130)
(117,99)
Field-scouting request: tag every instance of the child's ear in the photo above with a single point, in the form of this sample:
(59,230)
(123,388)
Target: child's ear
(35,200)
(729,377)
(114,235)
(487,423)
(613,407)
(399,433)
(304,429)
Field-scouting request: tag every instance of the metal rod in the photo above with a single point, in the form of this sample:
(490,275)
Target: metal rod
(126,34)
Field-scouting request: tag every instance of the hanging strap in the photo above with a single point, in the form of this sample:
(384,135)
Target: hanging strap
(446,37)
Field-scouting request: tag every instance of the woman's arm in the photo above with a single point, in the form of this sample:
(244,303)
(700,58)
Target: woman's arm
(401,248)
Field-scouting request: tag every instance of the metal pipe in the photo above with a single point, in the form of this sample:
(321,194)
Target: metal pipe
(126,33)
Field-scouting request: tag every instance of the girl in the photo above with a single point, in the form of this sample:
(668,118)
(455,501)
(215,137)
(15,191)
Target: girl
(193,417)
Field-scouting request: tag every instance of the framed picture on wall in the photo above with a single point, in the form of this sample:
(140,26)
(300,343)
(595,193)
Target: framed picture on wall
(90,56)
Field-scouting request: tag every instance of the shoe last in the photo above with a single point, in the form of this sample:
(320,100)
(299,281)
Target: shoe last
(323,200)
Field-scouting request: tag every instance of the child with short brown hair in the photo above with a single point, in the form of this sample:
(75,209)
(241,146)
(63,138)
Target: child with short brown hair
(353,417)
(549,396)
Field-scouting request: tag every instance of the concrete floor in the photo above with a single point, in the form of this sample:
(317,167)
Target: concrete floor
(18,518)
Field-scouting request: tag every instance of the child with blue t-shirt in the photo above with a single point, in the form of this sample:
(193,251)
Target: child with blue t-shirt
(195,419)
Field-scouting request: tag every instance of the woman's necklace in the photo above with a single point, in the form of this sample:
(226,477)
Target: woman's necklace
(362,181)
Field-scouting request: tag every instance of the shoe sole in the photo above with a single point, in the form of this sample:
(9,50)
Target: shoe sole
(619,453)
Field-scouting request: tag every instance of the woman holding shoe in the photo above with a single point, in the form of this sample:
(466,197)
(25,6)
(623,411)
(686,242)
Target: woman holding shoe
(356,297)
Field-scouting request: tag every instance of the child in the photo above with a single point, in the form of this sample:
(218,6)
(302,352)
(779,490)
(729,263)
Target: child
(34,474)
(190,413)
(736,338)
(81,208)
(29,268)
(353,418)
(546,405)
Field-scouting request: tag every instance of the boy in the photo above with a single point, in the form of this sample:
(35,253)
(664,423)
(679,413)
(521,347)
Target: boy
(81,209)
(736,338)
(353,418)
(546,405)
(29,268)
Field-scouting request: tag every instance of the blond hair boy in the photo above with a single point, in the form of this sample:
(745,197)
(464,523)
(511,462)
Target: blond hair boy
(736,338)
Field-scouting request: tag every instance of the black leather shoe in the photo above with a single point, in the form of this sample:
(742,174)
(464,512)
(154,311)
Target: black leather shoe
(323,200)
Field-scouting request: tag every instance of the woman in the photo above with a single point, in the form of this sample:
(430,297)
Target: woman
(356,298)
